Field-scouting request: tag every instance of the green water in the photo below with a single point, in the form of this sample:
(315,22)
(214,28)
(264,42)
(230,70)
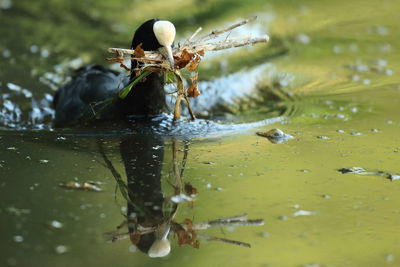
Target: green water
(338,65)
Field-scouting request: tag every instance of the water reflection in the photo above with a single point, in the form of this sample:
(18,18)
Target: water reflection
(153,196)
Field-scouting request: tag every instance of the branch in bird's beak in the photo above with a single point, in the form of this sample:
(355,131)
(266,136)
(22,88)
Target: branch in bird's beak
(166,51)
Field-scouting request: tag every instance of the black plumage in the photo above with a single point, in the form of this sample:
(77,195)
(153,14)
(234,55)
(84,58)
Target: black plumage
(94,84)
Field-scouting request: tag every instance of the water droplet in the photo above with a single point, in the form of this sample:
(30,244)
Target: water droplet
(44,53)
(56,224)
(61,249)
(14,87)
(6,53)
(18,238)
(34,48)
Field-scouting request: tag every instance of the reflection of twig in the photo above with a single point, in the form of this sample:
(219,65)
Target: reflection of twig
(185,155)
(229,221)
(114,236)
(177,173)
(120,183)
(229,241)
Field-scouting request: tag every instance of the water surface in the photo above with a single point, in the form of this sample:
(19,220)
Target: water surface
(331,76)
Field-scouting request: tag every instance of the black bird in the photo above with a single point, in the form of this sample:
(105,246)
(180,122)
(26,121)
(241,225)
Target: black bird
(94,84)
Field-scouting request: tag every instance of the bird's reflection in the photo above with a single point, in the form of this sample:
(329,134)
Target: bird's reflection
(153,189)
(143,156)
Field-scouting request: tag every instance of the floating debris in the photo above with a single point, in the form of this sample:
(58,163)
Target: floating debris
(356,133)
(323,137)
(303,213)
(56,224)
(359,170)
(43,161)
(264,234)
(283,218)
(390,258)
(89,186)
(340,131)
(275,136)
(393,177)
(61,249)
(18,212)
(352,170)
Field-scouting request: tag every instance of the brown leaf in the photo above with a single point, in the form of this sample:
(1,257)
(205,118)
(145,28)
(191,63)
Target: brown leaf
(201,53)
(193,90)
(183,59)
(194,63)
(139,52)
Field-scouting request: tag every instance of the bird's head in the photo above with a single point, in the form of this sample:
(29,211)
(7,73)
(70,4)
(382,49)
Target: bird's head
(156,35)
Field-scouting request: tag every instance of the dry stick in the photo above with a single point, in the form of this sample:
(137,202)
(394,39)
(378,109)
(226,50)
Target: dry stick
(198,44)
(227,44)
(151,57)
(121,51)
(181,93)
(194,34)
(215,33)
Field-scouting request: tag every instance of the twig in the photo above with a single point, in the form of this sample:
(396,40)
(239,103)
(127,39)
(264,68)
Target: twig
(194,34)
(215,33)
(197,45)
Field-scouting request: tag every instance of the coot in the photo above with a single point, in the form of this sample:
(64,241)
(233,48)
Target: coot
(95,84)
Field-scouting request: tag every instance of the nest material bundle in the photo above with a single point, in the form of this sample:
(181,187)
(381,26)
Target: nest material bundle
(187,55)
